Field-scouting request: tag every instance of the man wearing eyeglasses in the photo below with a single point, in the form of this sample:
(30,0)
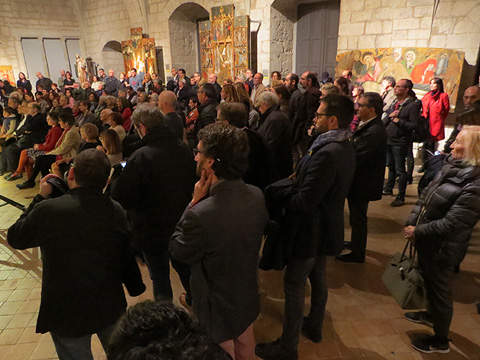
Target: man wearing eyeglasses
(314,211)
(370,143)
(401,120)
(219,236)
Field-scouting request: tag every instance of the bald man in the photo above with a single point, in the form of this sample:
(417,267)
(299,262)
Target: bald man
(167,102)
(471,95)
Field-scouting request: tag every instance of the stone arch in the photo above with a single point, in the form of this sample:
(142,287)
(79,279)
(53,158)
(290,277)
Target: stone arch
(183,32)
(112,57)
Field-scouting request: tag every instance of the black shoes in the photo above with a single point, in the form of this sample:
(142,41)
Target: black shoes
(311,334)
(419,317)
(397,202)
(13,177)
(431,344)
(26,185)
(275,351)
(350,258)
(387,192)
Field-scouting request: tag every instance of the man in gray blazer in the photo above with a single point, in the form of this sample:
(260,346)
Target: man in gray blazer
(219,236)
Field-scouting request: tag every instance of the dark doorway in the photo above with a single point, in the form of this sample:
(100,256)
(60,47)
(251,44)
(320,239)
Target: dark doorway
(160,64)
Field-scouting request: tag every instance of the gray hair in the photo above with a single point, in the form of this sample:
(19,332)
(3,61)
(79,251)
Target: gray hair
(182,81)
(149,116)
(268,98)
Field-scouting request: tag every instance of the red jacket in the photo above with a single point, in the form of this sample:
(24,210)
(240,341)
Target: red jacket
(127,121)
(51,139)
(436,108)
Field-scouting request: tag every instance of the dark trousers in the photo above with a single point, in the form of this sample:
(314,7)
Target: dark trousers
(437,276)
(296,274)
(430,145)
(79,348)
(43,163)
(12,155)
(396,155)
(358,222)
(158,263)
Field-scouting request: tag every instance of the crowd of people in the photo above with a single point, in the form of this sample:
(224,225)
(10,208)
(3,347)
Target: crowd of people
(203,171)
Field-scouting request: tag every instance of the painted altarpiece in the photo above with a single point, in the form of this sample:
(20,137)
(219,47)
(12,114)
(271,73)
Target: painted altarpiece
(139,52)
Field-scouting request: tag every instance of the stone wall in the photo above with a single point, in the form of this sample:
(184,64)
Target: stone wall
(405,23)
(24,18)
(283,17)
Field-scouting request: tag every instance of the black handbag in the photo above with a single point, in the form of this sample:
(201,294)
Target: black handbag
(404,281)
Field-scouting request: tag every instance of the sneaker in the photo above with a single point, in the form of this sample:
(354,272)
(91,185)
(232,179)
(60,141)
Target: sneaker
(419,317)
(311,334)
(26,185)
(275,351)
(350,258)
(387,192)
(397,202)
(431,344)
(347,245)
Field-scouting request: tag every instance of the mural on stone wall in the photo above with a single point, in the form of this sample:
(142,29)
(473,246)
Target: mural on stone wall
(369,66)
(139,52)
(224,43)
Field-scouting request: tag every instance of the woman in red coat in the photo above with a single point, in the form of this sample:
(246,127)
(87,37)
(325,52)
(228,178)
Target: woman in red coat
(436,105)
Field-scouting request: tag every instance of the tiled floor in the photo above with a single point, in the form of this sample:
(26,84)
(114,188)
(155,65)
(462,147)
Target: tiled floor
(362,320)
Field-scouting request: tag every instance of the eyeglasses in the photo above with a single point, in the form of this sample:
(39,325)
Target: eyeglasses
(318,115)
(196,152)
(398,86)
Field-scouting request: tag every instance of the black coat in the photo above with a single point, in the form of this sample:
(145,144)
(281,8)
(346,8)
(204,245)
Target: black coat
(112,84)
(370,145)
(218,89)
(85,241)
(156,185)
(207,113)
(305,107)
(276,132)
(401,132)
(447,212)
(175,123)
(315,203)
(34,130)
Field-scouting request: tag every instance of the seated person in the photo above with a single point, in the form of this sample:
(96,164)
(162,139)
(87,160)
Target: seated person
(66,147)
(116,123)
(7,130)
(28,156)
(112,146)
(89,134)
(161,331)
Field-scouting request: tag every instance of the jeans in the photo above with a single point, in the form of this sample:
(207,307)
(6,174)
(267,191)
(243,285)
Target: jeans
(396,155)
(158,263)
(296,275)
(79,348)
(358,222)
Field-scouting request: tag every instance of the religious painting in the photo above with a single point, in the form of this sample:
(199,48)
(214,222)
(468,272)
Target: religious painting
(128,55)
(224,43)
(149,55)
(370,66)
(6,73)
(241,30)
(136,35)
(139,53)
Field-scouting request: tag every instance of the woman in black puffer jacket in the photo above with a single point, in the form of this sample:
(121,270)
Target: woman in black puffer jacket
(440,225)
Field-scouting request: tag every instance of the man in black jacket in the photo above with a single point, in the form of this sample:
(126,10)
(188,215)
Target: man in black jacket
(85,241)
(155,187)
(276,132)
(401,120)
(207,111)
(314,208)
(369,141)
(305,108)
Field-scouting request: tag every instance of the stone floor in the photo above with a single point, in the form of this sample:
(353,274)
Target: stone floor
(362,320)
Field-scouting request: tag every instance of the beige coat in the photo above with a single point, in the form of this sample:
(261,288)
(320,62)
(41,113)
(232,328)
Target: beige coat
(68,147)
